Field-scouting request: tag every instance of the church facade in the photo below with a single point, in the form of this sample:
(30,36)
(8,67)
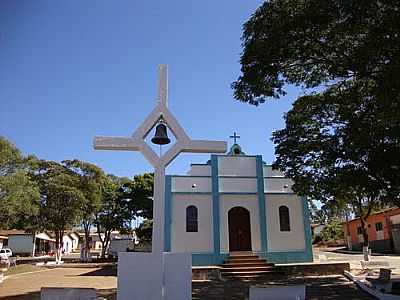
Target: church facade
(235,202)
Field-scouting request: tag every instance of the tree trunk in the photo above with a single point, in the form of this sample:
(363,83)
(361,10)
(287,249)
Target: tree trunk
(86,245)
(59,234)
(366,239)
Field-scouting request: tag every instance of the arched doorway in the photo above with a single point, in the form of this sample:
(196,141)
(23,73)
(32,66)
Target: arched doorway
(239,229)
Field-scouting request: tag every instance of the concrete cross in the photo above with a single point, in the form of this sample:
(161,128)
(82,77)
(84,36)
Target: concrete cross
(137,143)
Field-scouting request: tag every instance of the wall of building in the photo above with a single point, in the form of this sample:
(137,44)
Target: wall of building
(237,185)
(20,244)
(250,202)
(237,166)
(293,240)
(277,185)
(199,170)
(186,184)
(269,172)
(67,244)
(182,241)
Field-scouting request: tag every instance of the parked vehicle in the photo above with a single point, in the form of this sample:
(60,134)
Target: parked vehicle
(5,253)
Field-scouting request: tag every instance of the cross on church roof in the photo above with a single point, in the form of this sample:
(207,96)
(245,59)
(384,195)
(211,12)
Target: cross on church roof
(234,137)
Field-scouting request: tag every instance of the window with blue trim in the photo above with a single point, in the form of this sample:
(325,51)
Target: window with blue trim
(191,219)
(284,219)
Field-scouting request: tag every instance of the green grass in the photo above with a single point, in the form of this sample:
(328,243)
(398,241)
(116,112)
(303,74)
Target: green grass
(22,269)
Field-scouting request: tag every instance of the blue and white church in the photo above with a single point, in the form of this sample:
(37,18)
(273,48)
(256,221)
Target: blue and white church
(235,202)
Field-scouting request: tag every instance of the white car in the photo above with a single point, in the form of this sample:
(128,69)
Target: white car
(5,253)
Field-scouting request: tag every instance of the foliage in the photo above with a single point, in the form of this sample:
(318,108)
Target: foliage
(19,195)
(61,200)
(114,213)
(332,231)
(89,180)
(139,191)
(145,230)
(342,138)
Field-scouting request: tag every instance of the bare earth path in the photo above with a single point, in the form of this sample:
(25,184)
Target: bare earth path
(27,286)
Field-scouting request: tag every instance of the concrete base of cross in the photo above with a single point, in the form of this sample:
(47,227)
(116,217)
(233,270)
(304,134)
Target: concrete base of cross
(154,276)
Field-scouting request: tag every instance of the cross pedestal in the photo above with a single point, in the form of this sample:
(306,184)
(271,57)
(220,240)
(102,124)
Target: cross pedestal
(157,275)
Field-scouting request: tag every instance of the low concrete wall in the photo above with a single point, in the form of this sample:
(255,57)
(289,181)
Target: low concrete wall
(314,269)
(379,246)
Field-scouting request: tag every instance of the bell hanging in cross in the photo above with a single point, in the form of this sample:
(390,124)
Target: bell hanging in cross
(161,136)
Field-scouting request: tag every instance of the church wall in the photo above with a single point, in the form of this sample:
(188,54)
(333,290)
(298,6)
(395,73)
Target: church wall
(293,240)
(269,172)
(237,166)
(185,184)
(250,202)
(182,241)
(241,185)
(276,184)
(200,170)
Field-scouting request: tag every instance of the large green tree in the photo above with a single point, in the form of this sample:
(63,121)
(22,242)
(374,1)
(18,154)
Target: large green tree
(19,195)
(89,180)
(61,200)
(114,213)
(342,139)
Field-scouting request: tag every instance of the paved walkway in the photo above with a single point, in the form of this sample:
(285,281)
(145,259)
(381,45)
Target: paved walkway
(354,258)
(27,286)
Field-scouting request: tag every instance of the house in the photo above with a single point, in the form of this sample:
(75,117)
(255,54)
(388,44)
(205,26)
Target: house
(235,202)
(70,242)
(383,228)
(24,243)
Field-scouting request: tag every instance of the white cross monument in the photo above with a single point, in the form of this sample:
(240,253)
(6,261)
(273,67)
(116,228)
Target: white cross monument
(157,275)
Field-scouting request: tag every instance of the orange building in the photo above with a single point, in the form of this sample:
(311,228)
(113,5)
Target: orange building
(383,229)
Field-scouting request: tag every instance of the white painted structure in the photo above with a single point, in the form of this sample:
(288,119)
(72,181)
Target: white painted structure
(228,184)
(161,287)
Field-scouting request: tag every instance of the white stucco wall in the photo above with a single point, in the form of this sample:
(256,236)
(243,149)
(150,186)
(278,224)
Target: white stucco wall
(200,170)
(285,240)
(185,184)
(182,241)
(277,185)
(237,166)
(268,172)
(250,202)
(243,185)
(67,244)
(20,243)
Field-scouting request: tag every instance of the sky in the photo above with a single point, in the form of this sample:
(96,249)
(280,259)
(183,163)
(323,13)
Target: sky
(71,70)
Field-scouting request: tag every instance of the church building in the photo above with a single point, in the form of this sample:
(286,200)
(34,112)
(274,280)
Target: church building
(235,202)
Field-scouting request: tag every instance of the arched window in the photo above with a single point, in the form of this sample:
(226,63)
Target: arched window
(284,220)
(191,219)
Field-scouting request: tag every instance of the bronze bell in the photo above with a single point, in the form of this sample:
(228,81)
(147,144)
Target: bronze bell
(161,136)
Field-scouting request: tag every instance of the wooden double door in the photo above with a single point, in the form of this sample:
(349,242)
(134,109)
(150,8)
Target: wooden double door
(239,229)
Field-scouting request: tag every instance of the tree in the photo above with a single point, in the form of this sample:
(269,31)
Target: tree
(60,199)
(332,231)
(139,191)
(89,179)
(19,195)
(114,212)
(342,139)
(145,230)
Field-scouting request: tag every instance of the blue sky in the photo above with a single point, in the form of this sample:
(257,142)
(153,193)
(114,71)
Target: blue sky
(70,70)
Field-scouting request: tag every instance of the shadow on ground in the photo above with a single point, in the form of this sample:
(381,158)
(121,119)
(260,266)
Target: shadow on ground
(105,271)
(110,294)
(326,288)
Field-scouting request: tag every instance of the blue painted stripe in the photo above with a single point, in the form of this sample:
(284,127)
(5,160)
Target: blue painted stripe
(261,204)
(167,214)
(208,259)
(307,229)
(197,193)
(288,257)
(215,202)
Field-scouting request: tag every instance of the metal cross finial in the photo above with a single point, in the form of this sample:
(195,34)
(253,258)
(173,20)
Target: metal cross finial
(234,137)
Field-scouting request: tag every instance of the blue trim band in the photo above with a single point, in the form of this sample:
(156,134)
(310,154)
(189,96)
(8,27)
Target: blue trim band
(261,204)
(208,259)
(215,204)
(167,214)
(307,229)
